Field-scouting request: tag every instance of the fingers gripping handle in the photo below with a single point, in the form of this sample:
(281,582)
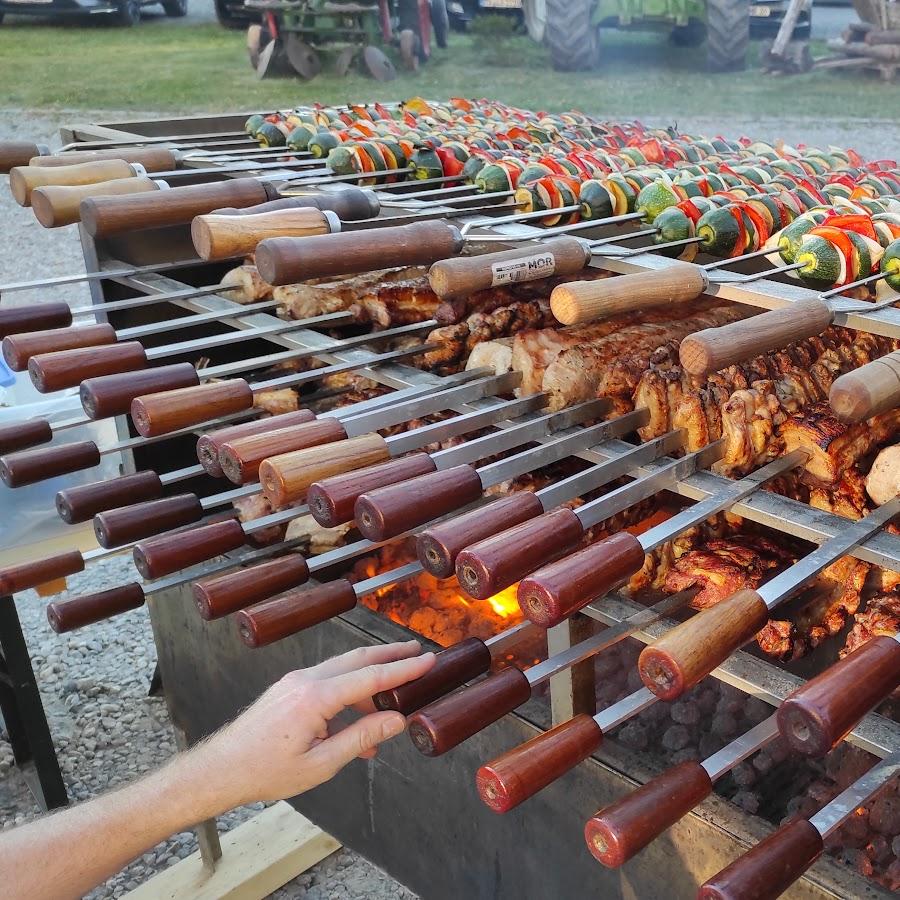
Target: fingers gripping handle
(67,615)
(867,391)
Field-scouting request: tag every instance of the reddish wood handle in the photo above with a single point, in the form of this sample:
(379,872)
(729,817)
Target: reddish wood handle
(522,772)
(68,368)
(389,511)
(19,153)
(31,466)
(448,722)
(23,180)
(167,411)
(348,204)
(127,524)
(22,576)
(56,205)
(867,391)
(452,668)
(19,435)
(19,348)
(76,612)
(111,395)
(690,651)
(153,159)
(487,567)
(819,714)
(555,592)
(438,546)
(275,619)
(331,500)
(770,868)
(289,260)
(22,319)
(616,833)
(81,503)
(168,553)
(225,594)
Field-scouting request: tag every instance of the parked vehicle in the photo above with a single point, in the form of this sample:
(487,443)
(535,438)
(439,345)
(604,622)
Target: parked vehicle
(122,12)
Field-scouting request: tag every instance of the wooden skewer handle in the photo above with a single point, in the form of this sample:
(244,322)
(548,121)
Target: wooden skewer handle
(111,395)
(83,502)
(867,391)
(21,435)
(331,500)
(67,615)
(67,368)
(127,524)
(20,153)
(522,772)
(22,576)
(19,348)
(289,260)
(166,411)
(225,594)
(448,722)
(690,651)
(616,833)
(39,317)
(25,179)
(438,546)
(56,205)
(389,511)
(276,619)
(584,301)
(153,159)
(487,567)
(31,466)
(713,349)
(349,204)
(819,714)
(770,868)
(559,590)
(455,278)
(453,667)
(168,553)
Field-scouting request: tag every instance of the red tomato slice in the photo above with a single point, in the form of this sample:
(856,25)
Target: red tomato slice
(689,208)
(759,223)
(861,224)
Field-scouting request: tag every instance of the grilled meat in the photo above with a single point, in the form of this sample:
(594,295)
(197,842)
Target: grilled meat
(881,616)
(847,497)
(245,285)
(496,355)
(883,481)
(277,402)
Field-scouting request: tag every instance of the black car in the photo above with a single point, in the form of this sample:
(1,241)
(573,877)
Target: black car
(123,12)
(766,17)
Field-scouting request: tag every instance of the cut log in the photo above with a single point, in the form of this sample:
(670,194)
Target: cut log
(876,36)
(881,52)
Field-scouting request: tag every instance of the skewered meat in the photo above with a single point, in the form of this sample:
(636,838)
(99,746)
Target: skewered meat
(277,402)
(845,498)
(881,616)
(496,355)
(245,285)
(883,481)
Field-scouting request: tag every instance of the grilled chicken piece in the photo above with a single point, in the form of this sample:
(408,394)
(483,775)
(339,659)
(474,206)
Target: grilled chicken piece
(397,303)
(277,402)
(881,616)
(846,498)
(245,285)
(883,481)
(496,355)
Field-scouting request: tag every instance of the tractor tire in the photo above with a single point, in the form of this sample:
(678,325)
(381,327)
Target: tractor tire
(440,22)
(691,35)
(727,34)
(571,35)
(128,13)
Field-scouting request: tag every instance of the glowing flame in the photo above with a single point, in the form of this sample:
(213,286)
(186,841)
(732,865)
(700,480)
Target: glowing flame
(505,603)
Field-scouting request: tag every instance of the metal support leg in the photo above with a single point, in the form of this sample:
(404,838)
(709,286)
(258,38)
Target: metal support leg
(23,714)
(208,831)
(571,691)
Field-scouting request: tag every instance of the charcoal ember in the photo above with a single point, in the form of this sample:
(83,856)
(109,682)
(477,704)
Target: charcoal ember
(747,801)
(634,735)
(879,850)
(801,806)
(686,712)
(688,754)
(633,681)
(778,750)
(709,744)
(854,833)
(608,693)
(744,775)
(676,737)
(755,710)
(725,725)
(447,626)
(763,762)
(884,814)
(864,864)
(707,701)
(891,879)
(608,665)
(895,846)
(845,764)
(822,792)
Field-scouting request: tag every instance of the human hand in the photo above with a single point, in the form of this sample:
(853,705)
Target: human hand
(281,745)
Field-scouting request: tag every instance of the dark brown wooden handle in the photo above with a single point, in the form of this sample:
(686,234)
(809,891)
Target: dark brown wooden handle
(19,435)
(485,568)
(127,524)
(275,619)
(554,593)
(867,391)
(240,457)
(55,371)
(713,349)
(225,594)
(83,502)
(112,395)
(455,278)
(106,216)
(40,316)
(57,205)
(584,301)
(438,546)
(448,722)
(31,466)
(168,553)
(331,500)
(167,411)
(770,868)
(22,576)
(348,204)
(153,159)
(389,511)
(453,667)
(289,260)
(76,612)
(616,833)
(25,179)
(522,772)
(209,445)
(19,153)
(819,714)
(19,348)
(690,651)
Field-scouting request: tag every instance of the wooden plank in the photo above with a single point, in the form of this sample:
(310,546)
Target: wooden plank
(782,39)
(258,857)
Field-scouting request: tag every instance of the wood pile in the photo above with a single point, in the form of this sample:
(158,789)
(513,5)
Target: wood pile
(865,46)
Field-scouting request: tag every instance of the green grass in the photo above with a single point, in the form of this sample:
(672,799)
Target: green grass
(165,66)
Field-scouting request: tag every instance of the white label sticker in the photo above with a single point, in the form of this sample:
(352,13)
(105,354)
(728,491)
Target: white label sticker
(531,268)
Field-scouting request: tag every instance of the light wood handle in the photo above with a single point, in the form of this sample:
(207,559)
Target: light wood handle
(25,179)
(67,368)
(713,349)
(167,411)
(19,153)
(153,159)
(40,316)
(58,205)
(19,348)
(867,391)
(584,301)
(690,651)
(219,237)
